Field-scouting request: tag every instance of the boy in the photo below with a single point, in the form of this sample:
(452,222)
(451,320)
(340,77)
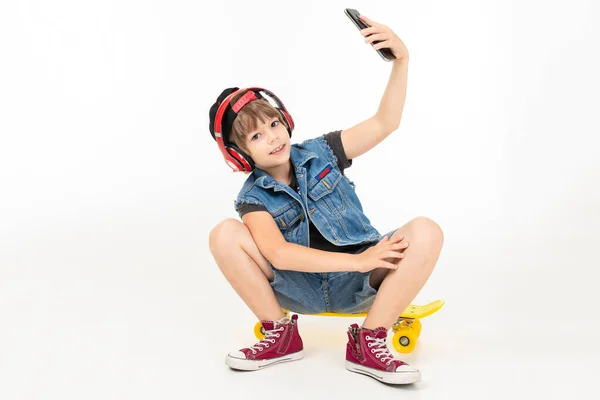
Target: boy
(305,243)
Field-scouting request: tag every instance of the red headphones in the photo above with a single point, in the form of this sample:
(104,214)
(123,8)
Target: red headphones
(222,115)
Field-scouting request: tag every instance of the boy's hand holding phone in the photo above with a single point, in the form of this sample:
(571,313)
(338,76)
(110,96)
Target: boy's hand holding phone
(387,43)
(387,37)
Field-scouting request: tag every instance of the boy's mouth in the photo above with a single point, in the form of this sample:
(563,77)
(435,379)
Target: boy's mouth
(278,149)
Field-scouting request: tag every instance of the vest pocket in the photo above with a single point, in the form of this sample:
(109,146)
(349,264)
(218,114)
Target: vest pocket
(326,185)
(287,216)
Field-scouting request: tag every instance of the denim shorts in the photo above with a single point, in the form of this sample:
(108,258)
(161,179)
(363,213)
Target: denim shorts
(314,293)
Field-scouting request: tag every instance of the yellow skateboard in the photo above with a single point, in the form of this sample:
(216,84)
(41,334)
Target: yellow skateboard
(407,328)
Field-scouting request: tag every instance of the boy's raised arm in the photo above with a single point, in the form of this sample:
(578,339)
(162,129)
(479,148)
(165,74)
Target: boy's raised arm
(363,137)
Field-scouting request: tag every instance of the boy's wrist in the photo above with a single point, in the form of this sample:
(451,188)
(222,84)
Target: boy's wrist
(402,60)
(356,263)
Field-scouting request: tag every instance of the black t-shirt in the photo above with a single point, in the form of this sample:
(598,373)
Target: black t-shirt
(317,241)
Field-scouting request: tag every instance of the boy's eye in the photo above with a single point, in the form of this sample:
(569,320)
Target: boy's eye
(256,134)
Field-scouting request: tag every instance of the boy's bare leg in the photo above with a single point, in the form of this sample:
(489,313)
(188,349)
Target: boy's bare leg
(397,288)
(246,269)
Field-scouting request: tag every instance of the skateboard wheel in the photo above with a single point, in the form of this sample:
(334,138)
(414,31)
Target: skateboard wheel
(405,339)
(416,325)
(259,331)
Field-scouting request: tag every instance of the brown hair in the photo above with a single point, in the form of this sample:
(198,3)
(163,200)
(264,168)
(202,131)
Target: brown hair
(246,121)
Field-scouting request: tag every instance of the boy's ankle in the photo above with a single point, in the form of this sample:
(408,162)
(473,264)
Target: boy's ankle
(367,353)
(282,342)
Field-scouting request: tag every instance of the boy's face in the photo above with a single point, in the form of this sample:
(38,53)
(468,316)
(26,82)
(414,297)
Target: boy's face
(264,140)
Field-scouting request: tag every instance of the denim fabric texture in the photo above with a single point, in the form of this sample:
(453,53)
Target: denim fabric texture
(314,293)
(325,194)
(328,198)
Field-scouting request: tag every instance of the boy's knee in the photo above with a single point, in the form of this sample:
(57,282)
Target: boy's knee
(428,235)
(225,233)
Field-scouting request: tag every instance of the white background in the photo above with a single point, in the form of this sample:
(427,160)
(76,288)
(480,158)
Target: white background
(110,183)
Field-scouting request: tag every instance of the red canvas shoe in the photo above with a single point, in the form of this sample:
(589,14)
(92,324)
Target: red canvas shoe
(281,343)
(367,353)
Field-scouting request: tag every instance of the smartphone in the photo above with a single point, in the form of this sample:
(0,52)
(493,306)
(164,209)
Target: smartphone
(353,14)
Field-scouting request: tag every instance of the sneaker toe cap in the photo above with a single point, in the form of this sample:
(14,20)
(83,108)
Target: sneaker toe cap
(237,354)
(406,368)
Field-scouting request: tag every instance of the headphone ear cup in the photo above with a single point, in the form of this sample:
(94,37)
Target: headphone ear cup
(288,121)
(245,161)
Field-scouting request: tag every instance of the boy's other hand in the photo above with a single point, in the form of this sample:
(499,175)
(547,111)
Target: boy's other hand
(380,255)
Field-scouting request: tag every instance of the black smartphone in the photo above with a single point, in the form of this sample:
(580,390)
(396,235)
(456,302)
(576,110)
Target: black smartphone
(354,15)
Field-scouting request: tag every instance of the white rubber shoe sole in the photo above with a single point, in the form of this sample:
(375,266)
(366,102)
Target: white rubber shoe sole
(401,377)
(237,360)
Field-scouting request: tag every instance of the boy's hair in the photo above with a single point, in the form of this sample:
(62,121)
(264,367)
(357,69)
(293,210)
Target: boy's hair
(246,121)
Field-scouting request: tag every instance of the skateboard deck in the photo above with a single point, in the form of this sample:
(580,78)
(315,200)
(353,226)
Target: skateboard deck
(422,311)
(413,311)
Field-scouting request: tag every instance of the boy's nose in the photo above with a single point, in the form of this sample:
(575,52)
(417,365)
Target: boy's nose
(272,137)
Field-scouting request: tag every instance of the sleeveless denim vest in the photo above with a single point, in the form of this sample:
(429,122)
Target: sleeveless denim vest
(325,195)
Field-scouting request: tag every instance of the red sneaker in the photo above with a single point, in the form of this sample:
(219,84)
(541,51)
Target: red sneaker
(281,343)
(367,353)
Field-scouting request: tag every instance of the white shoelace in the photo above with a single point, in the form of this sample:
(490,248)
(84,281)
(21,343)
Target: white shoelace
(269,337)
(380,349)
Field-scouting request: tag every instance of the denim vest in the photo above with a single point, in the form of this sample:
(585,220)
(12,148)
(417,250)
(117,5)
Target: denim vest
(325,194)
